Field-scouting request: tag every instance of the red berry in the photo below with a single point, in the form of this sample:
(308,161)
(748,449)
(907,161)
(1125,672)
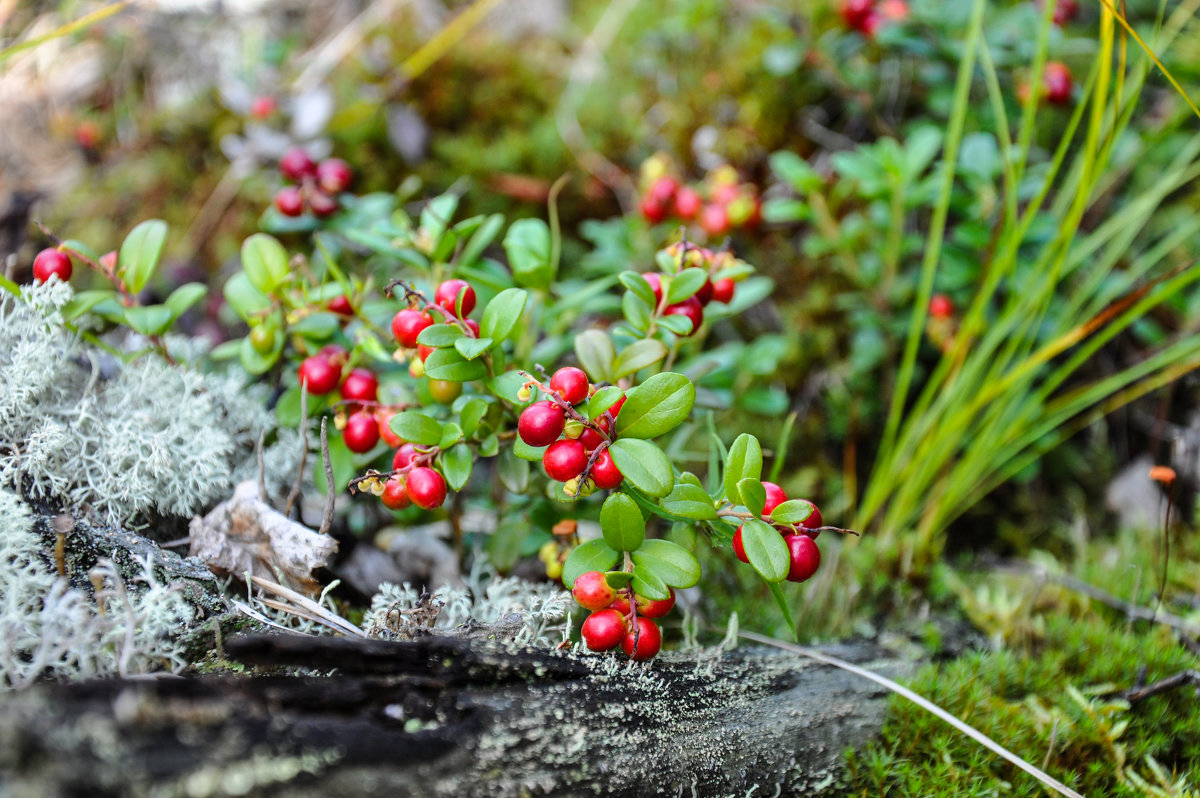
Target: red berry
(814,521)
(590,438)
(775,497)
(334,175)
(603,630)
(564,460)
(322,204)
(592,591)
(655,281)
(404,456)
(649,640)
(335,354)
(541,423)
(407,325)
(656,608)
(691,308)
(447,293)
(262,107)
(289,200)
(653,209)
(687,202)
(395,494)
(941,306)
(1065,11)
(605,473)
(296,165)
(615,410)
(663,189)
(426,488)
(383,417)
(472,327)
(571,384)
(424,352)
(714,220)
(1057,83)
(360,386)
(319,375)
(361,432)
(723,290)
(739,550)
(340,304)
(855,12)
(51,262)
(705,294)
(806,557)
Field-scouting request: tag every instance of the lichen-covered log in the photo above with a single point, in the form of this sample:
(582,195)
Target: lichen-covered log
(441,716)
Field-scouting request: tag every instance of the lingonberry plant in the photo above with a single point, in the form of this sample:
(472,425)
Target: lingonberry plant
(428,399)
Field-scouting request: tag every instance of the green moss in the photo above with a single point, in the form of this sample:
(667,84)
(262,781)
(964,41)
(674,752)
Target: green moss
(1051,699)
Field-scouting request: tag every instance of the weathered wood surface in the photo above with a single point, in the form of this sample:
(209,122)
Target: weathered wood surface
(447,717)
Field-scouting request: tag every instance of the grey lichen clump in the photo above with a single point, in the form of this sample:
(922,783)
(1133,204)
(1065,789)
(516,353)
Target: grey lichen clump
(150,438)
(52,629)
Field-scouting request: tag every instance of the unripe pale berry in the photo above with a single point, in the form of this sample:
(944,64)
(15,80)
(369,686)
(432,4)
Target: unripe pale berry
(649,640)
(395,494)
(360,386)
(603,630)
(319,375)
(447,293)
(296,164)
(444,391)
(806,557)
(51,262)
(408,324)
(361,432)
(605,473)
(262,338)
(564,460)
(571,384)
(592,591)
(426,488)
(541,423)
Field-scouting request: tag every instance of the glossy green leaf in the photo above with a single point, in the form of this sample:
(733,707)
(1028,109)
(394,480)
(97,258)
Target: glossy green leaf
(417,427)
(527,244)
(471,348)
(141,252)
(647,583)
(621,523)
(689,501)
(657,406)
(439,335)
(448,364)
(264,262)
(513,471)
(481,239)
(471,414)
(754,495)
(602,400)
(592,555)
(84,301)
(744,462)
(636,312)
(643,464)
(676,323)
(255,362)
(686,284)
(618,579)
(502,314)
(595,351)
(794,511)
(451,434)
(318,326)
(456,465)
(638,285)
(526,452)
(637,356)
(437,214)
(149,319)
(765,549)
(184,297)
(507,386)
(670,562)
(244,298)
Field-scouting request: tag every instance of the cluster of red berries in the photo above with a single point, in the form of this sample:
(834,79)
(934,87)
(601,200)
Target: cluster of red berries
(620,617)
(576,449)
(800,538)
(317,185)
(720,204)
(456,298)
(50,262)
(359,388)
(868,16)
(689,255)
(1057,84)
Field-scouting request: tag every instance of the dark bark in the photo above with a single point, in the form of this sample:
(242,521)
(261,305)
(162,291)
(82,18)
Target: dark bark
(439,716)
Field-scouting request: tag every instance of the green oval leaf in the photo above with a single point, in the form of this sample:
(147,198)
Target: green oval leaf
(184,297)
(637,356)
(689,501)
(765,549)
(686,284)
(622,523)
(794,511)
(255,362)
(456,465)
(673,564)
(636,312)
(149,319)
(602,400)
(643,464)
(526,452)
(754,495)
(595,351)
(656,406)
(471,348)
(243,297)
(84,301)
(264,261)
(513,471)
(527,244)
(448,364)
(501,315)
(678,324)
(417,428)
(637,284)
(439,335)
(647,583)
(744,462)
(618,579)
(140,253)
(471,414)
(451,434)
(594,555)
